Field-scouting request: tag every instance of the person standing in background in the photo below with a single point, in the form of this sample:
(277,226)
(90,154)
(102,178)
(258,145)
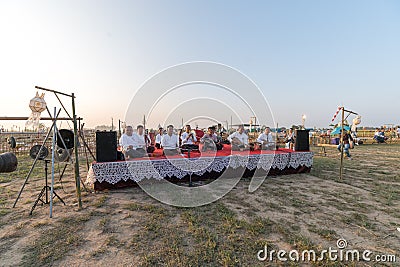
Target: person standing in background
(346,143)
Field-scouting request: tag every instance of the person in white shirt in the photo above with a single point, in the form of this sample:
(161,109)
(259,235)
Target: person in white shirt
(129,143)
(138,138)
(139,143)
(398,131)
(189,139)
(239,139)
(377,132)
(170,142)
(158,137)
(126,140)
(266,140)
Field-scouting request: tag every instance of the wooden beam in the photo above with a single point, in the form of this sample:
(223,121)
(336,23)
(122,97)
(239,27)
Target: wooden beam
(26,118)
(351,112)
(53,91)
(341,146)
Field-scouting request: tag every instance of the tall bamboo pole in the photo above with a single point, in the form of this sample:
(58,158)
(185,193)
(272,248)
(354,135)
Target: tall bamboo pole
(119,129)
(341,145)
(53,149)
(77,177)
(276,136)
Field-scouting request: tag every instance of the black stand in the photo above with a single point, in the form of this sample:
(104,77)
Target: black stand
(190,174)
(45,191)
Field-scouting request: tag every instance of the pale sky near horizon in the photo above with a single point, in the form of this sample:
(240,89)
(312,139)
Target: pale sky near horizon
(307,57)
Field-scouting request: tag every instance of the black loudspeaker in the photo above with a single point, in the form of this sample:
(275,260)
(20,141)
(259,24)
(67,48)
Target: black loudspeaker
(106,146)
(302,141)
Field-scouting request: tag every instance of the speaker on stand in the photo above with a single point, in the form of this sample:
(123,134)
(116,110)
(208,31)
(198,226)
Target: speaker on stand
(106,146)
(302,142)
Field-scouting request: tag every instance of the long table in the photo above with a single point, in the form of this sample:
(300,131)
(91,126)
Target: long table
(104,175)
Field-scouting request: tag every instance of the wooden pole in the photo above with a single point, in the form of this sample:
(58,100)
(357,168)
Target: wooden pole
(119,128)
(53,148)
(62,105)
(341,145)
(53,91)
(82,135)
(84,144)
(77,177)
(276,136)
(42,119)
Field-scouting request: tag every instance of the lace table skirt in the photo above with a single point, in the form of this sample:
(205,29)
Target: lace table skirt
(114,172)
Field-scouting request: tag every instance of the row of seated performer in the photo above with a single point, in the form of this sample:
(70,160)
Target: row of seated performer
(137,145)
(240,141)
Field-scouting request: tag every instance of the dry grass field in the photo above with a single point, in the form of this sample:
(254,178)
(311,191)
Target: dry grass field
(126,227)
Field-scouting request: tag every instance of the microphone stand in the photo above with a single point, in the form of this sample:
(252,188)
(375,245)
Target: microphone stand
(190,173)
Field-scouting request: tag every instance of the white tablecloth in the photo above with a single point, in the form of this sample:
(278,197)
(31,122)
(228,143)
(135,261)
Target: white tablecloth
(114,172)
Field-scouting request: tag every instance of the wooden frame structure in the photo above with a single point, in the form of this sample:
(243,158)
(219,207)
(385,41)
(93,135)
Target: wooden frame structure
(74,119)
(343,111)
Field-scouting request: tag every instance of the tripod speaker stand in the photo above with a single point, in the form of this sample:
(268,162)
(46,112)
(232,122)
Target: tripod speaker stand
(45,191)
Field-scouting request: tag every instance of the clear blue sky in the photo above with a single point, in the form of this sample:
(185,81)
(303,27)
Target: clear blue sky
(306,56)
